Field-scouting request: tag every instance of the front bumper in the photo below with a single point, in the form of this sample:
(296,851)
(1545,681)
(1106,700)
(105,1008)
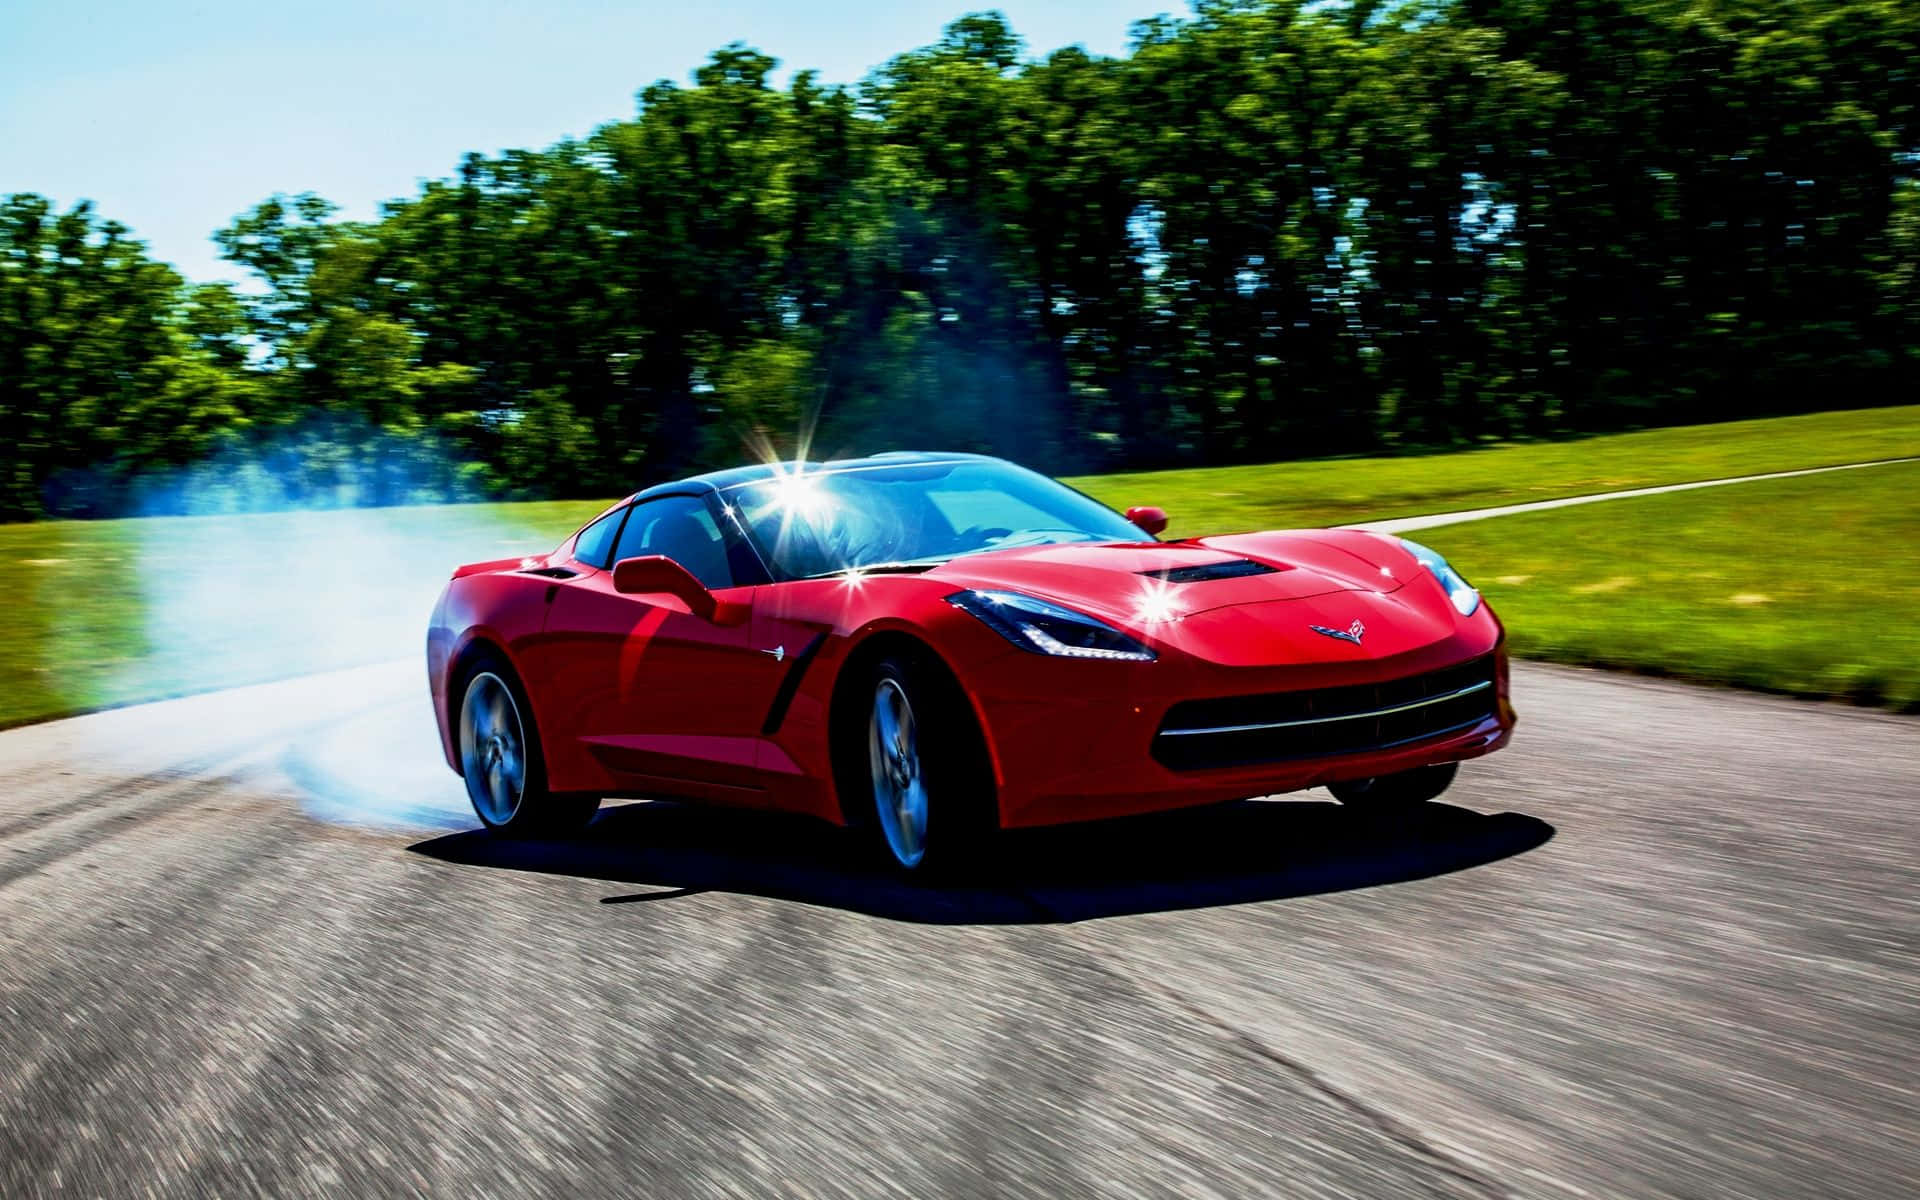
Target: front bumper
(1086,749)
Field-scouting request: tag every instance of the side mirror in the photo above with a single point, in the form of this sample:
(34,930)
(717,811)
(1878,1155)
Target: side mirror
(1149,518)
(658,574)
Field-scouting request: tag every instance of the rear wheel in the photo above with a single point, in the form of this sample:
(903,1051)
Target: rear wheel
(501,763)
(1402,790)
(931,794)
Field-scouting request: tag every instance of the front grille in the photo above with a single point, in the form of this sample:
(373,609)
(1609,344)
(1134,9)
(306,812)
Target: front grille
(1242,730)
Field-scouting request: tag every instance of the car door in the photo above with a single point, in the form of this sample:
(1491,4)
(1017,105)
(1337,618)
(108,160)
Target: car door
(650,693)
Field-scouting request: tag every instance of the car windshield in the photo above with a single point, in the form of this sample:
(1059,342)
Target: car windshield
(821,521)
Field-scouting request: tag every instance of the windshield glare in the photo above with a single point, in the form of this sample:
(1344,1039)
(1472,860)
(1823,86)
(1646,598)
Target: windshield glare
(821,522)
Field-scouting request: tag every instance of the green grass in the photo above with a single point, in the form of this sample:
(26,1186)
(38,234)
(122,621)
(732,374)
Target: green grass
(108,612)
(1809,586)
(1335,491)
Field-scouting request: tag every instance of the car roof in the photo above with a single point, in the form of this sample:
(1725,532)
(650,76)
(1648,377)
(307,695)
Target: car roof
(732,477)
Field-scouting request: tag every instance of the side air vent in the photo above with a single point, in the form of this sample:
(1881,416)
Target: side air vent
(1233,568)
(551,572)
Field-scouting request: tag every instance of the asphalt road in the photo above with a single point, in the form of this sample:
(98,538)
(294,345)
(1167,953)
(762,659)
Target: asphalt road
(1666,945)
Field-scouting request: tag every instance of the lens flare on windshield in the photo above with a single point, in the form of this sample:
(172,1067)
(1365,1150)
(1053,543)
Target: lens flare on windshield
(794,492)
(795,510)
(798,494)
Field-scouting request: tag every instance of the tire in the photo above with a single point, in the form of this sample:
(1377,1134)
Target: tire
(928,789)
(500,758)
(1407,789)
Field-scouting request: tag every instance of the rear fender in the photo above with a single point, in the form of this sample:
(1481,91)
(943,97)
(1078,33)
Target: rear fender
(503,611)
(499,564)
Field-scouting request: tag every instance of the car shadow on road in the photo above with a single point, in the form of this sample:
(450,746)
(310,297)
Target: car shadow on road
(1231,854)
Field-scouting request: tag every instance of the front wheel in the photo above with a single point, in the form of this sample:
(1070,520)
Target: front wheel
(1402,790)
(500,761)
(932,796)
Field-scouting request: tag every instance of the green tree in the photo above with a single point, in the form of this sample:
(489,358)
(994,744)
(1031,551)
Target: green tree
(1272,228)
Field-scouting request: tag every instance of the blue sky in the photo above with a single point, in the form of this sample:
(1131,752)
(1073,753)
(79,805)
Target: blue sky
(174,117)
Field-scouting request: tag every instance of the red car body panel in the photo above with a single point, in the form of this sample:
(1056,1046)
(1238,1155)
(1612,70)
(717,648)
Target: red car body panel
(633,695)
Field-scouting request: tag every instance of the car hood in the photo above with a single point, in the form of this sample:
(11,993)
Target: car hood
(1242,599)
(1112,579)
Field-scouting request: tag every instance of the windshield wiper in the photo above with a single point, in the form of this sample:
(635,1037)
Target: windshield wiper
(1023,539)
(912,567)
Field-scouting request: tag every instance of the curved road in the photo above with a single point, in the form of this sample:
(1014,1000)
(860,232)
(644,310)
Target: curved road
(1666,945)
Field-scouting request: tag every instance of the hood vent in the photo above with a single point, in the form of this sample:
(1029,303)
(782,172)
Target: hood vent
(1233,568)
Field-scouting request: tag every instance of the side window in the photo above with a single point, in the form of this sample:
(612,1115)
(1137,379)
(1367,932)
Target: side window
(597,539)
(681,528)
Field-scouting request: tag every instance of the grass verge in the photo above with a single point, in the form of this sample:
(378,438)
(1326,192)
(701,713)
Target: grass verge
(1341,491)
(1807,586)
(99,613)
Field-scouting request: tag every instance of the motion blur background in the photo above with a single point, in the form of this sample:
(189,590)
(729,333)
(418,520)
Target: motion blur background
(302,305)
(1252,232)
(1382,234)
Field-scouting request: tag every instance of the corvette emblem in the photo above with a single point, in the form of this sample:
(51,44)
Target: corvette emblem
(1352,633)
(779,652)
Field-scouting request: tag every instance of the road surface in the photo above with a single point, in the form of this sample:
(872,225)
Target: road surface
(1666,945)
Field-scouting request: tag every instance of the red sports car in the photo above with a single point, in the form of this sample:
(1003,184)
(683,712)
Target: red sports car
(935,646)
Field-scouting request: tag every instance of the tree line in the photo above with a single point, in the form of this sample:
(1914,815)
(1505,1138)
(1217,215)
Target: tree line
(1272,229)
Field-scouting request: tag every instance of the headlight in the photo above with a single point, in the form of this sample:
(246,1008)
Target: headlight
(1041,627)
(1465,599)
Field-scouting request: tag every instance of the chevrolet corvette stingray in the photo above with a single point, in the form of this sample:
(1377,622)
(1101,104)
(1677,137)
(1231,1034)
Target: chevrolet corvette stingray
(932,647)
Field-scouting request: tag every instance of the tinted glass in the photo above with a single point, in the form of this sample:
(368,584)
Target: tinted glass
(822,521)
(597,539)
(681,528)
